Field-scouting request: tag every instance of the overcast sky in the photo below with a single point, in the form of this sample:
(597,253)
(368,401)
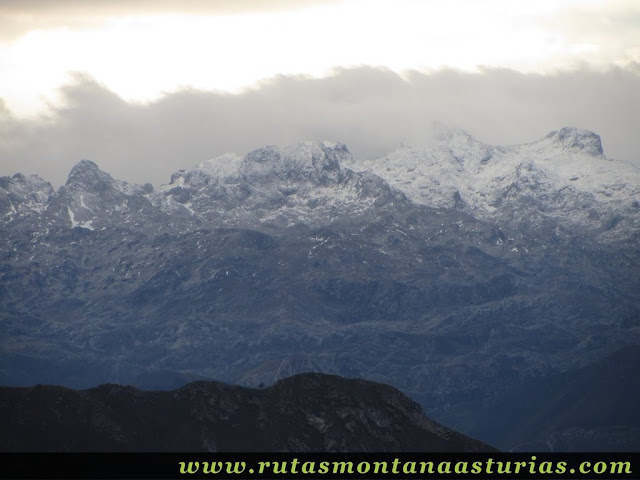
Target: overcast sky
(146,87)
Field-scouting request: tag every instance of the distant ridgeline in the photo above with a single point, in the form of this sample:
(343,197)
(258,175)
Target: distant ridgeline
(459,272)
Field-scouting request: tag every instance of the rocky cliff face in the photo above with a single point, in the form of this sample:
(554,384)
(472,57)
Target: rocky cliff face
(309,412)
(453,272)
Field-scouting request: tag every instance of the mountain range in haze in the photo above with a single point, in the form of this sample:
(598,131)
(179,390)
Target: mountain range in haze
(459,272)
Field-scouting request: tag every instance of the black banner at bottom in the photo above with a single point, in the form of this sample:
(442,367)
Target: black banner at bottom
(319,465)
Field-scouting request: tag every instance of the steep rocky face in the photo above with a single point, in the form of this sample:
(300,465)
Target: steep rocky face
(309,412)
(248,269)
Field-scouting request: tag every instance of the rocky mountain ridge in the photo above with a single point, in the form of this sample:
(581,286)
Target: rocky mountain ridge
(266,187)
(563,179)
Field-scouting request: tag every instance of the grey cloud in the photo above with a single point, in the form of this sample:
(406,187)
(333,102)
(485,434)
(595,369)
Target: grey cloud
(371,110)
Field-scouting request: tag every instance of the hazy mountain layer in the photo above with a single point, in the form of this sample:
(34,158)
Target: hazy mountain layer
(591,409)
(250,269)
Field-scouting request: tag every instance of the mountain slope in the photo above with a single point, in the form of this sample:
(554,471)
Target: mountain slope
(592,409)
(308,412)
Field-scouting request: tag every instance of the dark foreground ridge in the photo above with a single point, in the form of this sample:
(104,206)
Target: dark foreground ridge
(306,412)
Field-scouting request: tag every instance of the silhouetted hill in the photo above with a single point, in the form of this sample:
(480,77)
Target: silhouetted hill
(307,412)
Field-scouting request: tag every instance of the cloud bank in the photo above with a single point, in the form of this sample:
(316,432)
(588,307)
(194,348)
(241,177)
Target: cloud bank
(372,110)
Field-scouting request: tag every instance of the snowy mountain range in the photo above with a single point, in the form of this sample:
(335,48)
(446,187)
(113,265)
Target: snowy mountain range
(563,178)
(454,271)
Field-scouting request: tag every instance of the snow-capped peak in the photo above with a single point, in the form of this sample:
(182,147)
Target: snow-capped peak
(302,182)
(577,139)
(310,161)
(82,167)
(85,175)
(305,157)
(22,194)
(560,177)
(564,142)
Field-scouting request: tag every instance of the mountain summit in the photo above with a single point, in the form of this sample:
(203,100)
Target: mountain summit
(303,183)
(578,140)
(560,180)
(22,195)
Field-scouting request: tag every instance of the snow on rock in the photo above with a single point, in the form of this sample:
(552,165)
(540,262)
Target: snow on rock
(564,177)
(562,183)
(22,195)
(272,185)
